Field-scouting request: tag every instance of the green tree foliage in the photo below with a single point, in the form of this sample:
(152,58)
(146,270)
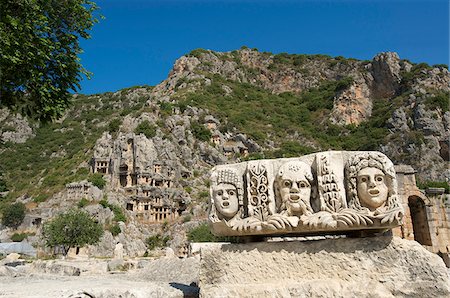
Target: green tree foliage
(83,202)
(117,210)
(39,47)
(115,229)
(114,125)
(97,180)
(19,237)
(156,241)
(201,233)
(13,215)
(200,132)
(74,228)
(437,184)
(3,186)
(146,129)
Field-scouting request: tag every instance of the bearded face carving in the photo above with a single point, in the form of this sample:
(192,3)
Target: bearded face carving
(293,183)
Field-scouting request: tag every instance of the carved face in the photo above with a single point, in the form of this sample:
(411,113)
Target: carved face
(294,188)
(226,200)
(372,188)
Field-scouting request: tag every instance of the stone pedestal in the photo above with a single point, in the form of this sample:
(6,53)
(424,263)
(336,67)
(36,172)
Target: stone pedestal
(344,267)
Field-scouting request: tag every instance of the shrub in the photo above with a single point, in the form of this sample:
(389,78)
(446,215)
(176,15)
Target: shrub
(203,194)
(3,186)
(114,229)
(438,100)
(146,129)
(74,228)
(156,241)
(439,184)
(114,125)
(40,198)
(13,215)
(83,202)
(97,180)
(291,149)
(200,132)
(117,210)
(165,108)
(104,202)
(187,218)
(201,233)
(18,237)
(118,213)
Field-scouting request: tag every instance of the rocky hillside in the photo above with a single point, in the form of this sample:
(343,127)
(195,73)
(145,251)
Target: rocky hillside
(155,145)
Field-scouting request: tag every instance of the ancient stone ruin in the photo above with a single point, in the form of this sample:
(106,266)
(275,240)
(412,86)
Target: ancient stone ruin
(146,178)
(427,214)
(327,192)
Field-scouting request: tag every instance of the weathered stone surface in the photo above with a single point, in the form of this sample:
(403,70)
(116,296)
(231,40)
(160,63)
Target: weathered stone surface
(53,267)
(368,267)
(14,128)
(352,105)
(167,277)
(386,73)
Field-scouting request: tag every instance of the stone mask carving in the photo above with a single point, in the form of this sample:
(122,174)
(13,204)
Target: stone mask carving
(226,200)
(371,188)
(293,182)
(227,194)
(371,181)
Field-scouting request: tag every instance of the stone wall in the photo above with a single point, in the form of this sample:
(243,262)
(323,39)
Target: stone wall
(427,214)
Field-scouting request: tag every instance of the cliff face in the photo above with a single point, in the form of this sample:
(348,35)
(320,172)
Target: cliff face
(155,145)
(415,97)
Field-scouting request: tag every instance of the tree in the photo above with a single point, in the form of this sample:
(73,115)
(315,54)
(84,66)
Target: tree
(97,180)
(39,47)
(75,228)
(13,215)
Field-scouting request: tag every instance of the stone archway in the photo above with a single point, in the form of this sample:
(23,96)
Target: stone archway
(419,218)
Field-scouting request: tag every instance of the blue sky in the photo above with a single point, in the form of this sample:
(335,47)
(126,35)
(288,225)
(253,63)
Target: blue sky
(139,40)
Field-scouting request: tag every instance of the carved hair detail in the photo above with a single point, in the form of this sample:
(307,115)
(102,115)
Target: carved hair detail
(230,177)
(296,166)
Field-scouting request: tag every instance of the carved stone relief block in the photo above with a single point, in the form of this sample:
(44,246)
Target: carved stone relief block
(326,192)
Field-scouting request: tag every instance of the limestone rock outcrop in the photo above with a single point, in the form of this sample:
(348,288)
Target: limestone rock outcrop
(369,267)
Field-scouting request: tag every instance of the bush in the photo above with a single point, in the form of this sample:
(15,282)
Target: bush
(200,132)
(187,218)
(201,233)
(146,129)
(437,184)
(74,228)
(18,237)
(118,213)
(438,100)
(114,125)
(13,215)
(291,149)
(97,180)
(115,230)
(156,241)
(40,198)
(3,186)
(117,210)
(203,194)
(83,202)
